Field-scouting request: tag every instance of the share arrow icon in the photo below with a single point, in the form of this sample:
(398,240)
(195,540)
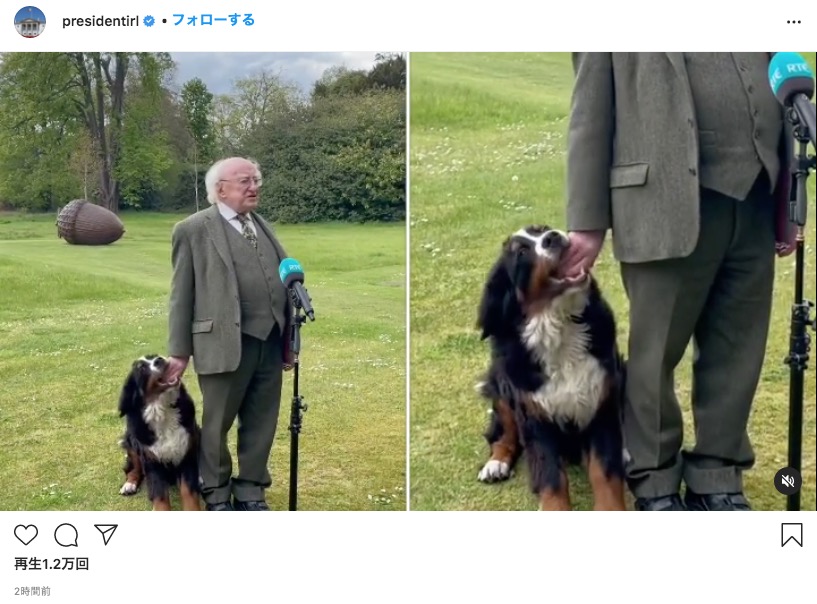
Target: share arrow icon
(106,530)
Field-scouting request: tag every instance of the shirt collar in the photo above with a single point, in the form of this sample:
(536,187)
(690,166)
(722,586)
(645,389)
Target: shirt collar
(228,212)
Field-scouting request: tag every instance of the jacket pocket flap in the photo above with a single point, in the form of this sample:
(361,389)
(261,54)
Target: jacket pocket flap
(205,326)
(632,175)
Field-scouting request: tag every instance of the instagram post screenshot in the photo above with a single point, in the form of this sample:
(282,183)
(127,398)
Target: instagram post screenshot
(462,264)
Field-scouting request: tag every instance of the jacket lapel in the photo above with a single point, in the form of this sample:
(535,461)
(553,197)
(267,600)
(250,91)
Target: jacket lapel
(679,63)
(215,229)
(289,310)
(261,223)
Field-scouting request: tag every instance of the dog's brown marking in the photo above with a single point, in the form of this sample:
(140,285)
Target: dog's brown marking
(608,491)
(544,287)
(161,504)
(156,385)
(190,499)
(539,286)
(506,448)
(153,387)
(135,474)
(558,500)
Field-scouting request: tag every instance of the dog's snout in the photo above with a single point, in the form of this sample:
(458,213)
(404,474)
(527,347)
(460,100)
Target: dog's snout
(554,240)
(158,364)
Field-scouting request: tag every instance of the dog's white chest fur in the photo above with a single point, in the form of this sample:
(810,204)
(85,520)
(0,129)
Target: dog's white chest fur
(575,380)
(172,440)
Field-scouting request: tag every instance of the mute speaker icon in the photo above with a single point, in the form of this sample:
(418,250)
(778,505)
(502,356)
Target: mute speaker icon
(788,481)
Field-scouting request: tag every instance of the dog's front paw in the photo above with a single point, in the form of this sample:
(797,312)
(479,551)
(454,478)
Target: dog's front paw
(495,471)
(129,488)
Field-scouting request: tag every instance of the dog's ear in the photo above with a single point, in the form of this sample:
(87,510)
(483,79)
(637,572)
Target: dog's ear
(498,300)
(129,396)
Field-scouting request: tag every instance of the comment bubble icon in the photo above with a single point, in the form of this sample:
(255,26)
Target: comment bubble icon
(66,535)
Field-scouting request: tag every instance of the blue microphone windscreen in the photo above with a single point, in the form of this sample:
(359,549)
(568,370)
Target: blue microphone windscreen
(790,74)
(290,269)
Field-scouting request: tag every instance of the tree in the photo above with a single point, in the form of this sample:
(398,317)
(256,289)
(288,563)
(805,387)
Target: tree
(85,163)
(197,103)
(262,96)
(100,78)
(55,93)
(100,101)
(259,99)
(339,81)
(224,128)
(388,72)
(341,158)
(39,131)
(145,152)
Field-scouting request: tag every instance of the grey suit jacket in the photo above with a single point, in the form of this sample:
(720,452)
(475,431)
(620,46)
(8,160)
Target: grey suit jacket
(633,154)
(205,310)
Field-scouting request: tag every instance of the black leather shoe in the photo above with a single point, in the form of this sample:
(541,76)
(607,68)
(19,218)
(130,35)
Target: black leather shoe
(668,503)
(719,502)
(224,506)
(251,506)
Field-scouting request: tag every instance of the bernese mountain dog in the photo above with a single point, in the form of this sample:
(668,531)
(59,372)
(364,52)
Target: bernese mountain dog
(161,435)
(556,376)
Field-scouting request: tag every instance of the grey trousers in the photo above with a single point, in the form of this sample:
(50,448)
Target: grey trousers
(251,393)
(720,298)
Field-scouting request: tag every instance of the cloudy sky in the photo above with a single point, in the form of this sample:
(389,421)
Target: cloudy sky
(220,69)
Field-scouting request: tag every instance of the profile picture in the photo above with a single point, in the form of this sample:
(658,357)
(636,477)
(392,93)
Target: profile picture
(29,22)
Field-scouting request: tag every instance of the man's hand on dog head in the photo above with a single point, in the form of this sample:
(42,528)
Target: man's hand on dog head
(176,368)
(582,253)
(585,247)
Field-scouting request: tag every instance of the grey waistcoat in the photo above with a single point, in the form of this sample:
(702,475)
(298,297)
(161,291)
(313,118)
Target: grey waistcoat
(263,296)
(739,120)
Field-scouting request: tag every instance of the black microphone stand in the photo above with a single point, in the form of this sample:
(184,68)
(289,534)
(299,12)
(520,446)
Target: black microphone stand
(801,319)
(298,406)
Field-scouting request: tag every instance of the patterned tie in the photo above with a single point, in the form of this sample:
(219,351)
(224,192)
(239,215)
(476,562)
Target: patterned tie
(246,230)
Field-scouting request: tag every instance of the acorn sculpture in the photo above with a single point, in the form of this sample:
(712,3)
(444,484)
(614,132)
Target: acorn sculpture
(84,223)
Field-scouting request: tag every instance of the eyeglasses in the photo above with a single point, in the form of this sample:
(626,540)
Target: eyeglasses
(245,182)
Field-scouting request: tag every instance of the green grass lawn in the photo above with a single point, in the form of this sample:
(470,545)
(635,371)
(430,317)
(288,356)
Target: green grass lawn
(73,318)
(488,156)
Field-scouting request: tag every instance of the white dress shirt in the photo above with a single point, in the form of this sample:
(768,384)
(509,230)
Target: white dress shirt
(231,216)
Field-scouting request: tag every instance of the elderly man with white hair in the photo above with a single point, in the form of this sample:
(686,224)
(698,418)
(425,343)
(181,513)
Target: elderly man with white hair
(230,312)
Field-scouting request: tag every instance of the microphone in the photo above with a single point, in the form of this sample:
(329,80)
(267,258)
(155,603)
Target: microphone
(793,84)
(292,276)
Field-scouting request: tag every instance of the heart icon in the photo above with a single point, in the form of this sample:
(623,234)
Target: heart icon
(25,534)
